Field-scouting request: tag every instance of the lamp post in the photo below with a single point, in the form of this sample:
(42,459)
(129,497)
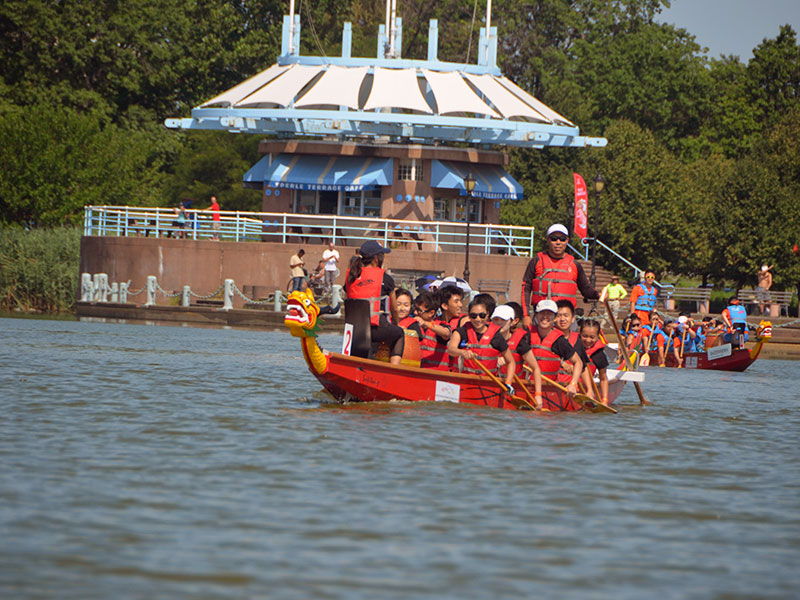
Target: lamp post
(469,185)
(599,184)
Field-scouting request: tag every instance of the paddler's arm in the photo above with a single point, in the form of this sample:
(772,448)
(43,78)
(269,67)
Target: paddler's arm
(511,366)
(586,378)
(577,368)
(603,385)
(589,293)
(454,350)
(527,286)
(530,360)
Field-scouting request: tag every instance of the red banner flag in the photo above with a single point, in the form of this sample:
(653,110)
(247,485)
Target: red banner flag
(581,206)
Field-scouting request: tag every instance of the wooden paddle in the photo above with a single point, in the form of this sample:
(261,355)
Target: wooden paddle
(642,400)
(581,399)
(527,392)
(503,386)
(683,342)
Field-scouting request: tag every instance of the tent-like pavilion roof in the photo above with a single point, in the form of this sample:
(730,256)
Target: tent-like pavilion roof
(419,101)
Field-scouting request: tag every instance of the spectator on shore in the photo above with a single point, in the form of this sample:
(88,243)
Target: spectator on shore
(764,284)
(296,265)
(215,218)
(615,292)
(180,221)
(331,258)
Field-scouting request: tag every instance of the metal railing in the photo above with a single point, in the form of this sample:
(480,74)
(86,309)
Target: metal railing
(239,226)
(637,272)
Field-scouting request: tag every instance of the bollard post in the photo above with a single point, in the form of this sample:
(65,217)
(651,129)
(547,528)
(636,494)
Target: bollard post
(101,287)
(228,297)
(151,290)
(278,299)
(123,292)
(87,288)
(115,292)
(185,296)
(336,299)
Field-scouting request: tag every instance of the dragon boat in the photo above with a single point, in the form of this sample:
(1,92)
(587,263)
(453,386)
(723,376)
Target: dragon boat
(723,357)
(356,379)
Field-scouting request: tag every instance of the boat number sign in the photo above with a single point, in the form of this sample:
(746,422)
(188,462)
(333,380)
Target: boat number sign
(690,362)
(447,392)
(347,340)
(719,352)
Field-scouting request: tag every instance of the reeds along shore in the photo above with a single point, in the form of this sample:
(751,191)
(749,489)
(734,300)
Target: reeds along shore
(39,269)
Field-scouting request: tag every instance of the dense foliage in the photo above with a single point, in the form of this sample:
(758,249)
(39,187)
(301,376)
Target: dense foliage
(702,166)
(39,268)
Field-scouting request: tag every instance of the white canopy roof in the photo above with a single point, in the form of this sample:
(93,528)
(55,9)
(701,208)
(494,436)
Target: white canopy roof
(390,90)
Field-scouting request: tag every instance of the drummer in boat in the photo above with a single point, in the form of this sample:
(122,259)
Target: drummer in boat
(484,343)
(554,275)
(366,279)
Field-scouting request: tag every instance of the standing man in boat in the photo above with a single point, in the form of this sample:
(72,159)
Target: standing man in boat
(367,280)
(554,275)
(643,298)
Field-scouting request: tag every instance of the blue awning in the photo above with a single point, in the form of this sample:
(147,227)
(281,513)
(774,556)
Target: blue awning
(490,181)
(314,172)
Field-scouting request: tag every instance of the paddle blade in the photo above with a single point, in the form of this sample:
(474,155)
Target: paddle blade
(592,405)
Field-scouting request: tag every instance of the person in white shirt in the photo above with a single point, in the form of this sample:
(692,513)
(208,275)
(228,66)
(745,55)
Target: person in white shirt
(331,258)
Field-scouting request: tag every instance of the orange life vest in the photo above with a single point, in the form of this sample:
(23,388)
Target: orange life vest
(482,348)
(596,347)
(368,287)
(549,361)
(555,279)
(513,342)
(434,354)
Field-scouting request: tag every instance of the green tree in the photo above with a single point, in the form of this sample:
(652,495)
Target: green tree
(55,163)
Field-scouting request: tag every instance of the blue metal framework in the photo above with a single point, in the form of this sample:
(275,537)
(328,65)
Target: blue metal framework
(396,125)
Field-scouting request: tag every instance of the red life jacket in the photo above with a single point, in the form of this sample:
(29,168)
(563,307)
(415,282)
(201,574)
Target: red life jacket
(453,360)
(434,354)
(368,287)
(407,322)
(555,279)
(513,342)
(596,347)
(482,348)
(549,361)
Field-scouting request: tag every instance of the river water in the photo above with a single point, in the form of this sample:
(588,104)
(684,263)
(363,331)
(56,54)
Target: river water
(168,462)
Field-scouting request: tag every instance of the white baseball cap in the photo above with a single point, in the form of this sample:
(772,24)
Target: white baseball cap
(557,228)
(503,312)
(547,305)
(683,319)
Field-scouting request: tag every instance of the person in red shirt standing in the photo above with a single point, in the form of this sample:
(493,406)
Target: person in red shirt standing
(554,275)
(215,218)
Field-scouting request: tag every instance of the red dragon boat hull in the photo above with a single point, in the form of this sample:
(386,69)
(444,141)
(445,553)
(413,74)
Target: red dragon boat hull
(349,378)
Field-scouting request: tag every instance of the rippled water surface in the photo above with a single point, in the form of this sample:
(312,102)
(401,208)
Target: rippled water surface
(142,462)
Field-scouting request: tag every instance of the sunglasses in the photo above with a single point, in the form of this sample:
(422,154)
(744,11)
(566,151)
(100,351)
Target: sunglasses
(478,315)
(558,238)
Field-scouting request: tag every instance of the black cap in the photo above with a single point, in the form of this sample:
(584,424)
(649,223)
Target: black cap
(373,248)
